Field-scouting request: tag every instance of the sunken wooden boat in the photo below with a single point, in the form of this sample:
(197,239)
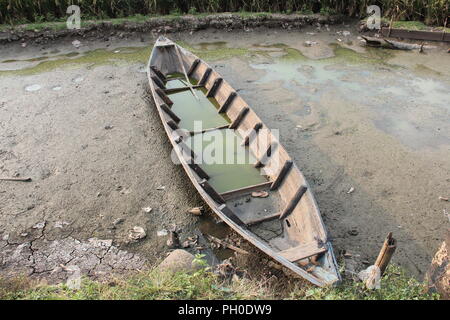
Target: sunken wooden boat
(282,218)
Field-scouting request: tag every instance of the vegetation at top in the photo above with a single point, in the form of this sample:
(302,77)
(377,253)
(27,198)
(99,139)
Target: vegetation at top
(37,11)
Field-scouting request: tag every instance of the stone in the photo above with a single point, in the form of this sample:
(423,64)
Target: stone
(137,233)
(178,260)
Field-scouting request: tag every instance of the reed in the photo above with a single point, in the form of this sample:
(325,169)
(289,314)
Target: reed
(26,11)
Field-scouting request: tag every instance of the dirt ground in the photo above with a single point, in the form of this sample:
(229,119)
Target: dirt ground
(78,125)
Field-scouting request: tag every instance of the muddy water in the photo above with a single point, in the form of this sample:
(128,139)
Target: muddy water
(229,164)
(190,109)
(372,120)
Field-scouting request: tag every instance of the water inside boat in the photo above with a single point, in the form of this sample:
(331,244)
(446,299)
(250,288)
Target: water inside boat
(229,165)
(219,152)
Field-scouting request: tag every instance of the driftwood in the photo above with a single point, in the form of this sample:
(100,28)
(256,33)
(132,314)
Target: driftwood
(389,44)
(16,179)
(386,253)
(227,245)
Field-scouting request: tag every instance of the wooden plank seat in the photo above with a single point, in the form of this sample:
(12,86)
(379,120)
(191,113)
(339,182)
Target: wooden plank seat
(302,251)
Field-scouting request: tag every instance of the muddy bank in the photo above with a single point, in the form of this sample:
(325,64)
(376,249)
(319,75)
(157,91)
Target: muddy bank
(74,120)
(223,21)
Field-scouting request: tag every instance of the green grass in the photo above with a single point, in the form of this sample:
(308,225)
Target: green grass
(155,285)
(414,25)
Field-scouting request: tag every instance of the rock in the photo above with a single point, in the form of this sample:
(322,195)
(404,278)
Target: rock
(118,221)
(173,242)
(162,233)
(310,43)
(40,225)
(136,234)
(438,274)
(197,211)
(186,244)
(353,232)
(76,43)
(147,209)
(178,260)
(33,87)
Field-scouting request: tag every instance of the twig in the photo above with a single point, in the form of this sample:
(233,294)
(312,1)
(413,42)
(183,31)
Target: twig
(226,244)
(16,179)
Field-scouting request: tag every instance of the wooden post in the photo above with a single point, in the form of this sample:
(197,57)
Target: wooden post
(170,112)
(158,82)
(158,73)
(386,253)
(293,203)
(239,118)
(205,77)
(212,91)
(211,192)
(230,214)
(164,96)
(265,158)
(284,171)
(193,67)
(254,131)
(198,170)
(228,102)
(172,125)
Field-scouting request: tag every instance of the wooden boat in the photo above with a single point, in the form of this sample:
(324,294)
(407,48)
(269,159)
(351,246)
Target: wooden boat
(285,222)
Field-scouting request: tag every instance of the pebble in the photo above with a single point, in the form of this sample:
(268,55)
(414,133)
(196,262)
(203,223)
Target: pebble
(137,233)
(33,87)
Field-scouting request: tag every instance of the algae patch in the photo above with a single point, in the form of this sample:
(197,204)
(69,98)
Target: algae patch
(212,51)
(92,59)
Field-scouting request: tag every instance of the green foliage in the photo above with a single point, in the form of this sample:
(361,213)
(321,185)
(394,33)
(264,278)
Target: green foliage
(203,284)
(395,285)
(32,11)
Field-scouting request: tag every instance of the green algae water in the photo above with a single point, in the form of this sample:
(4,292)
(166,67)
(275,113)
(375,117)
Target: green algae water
(229,165)
(202,110)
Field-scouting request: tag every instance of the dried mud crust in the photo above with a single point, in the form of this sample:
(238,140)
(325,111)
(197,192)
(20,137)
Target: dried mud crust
(225,21)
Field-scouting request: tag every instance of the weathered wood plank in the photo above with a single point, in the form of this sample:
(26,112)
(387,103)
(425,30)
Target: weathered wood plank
(211,192)
(198,170)
(205,77)
(294,201)
(158,82)
(164,96)
(158,73)
(180,89)
(284,171)
(171,114)
(228,102)
(226,126)
(263,219)
(239,118)
(193,67)
(230,214)
(265,158)
(245,190)
(416,34)
(212,91)
(302,251)
(172,125)
(252,133)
